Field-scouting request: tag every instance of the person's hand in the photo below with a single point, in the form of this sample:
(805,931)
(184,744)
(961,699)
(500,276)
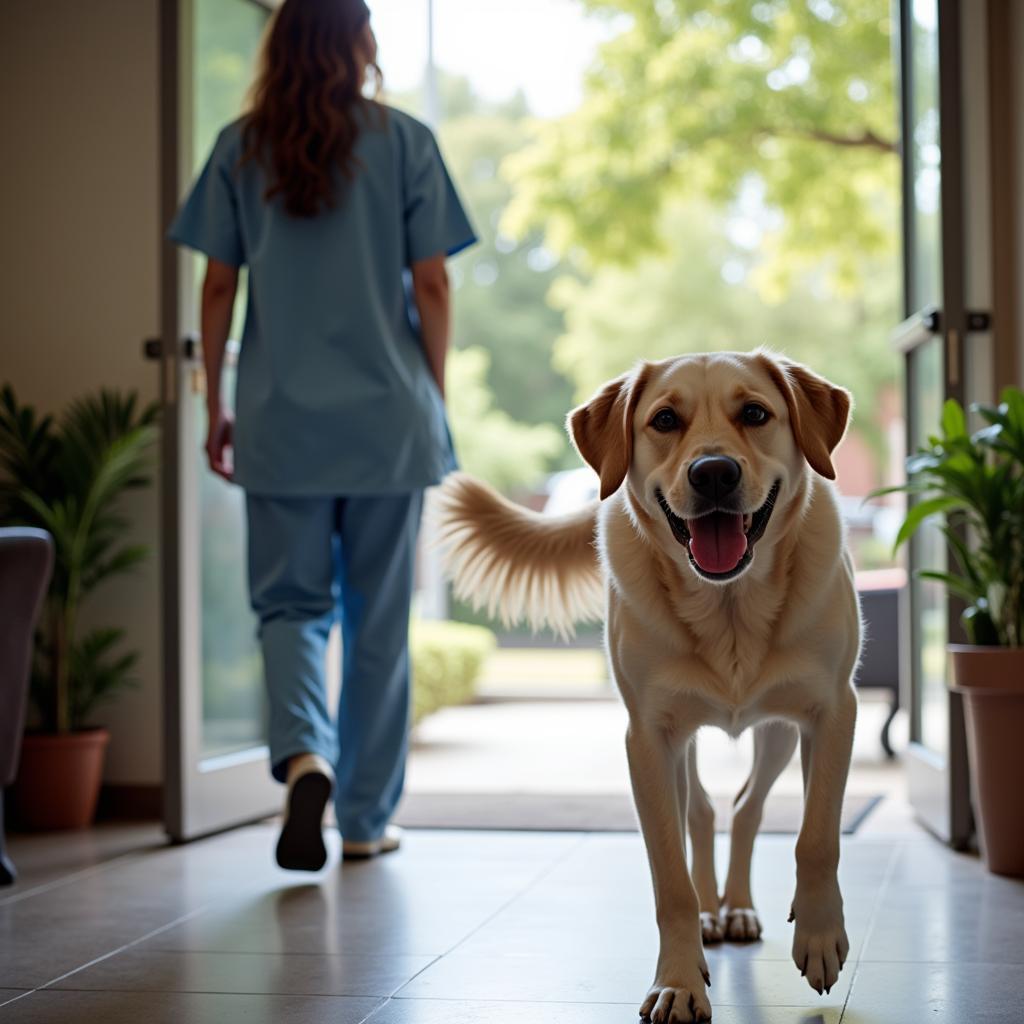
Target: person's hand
(220,443)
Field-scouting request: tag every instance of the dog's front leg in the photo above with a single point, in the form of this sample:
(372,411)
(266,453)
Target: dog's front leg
(820,944)
(679,991)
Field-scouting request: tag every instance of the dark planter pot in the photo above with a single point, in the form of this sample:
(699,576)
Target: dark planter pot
(991,680)
(59,778)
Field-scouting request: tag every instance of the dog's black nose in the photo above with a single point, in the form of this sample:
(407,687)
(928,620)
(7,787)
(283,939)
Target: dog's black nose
(714,476)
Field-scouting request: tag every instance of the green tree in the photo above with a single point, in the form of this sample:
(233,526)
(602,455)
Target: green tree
(492,445)
(502,282)
(678,301)
(704,97)
(502,317)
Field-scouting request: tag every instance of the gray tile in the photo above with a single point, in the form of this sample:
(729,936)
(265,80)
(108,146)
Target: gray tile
(49,1006)
(42,861)
(514,934)
(607,937)
(383,913)
(419,932)
(441,1011)
(966,922)
(927,862)
(587,919)
(480,850)
(566,978)
(926,993)
(572,979)
(142,970)
(34,960)
(739,981)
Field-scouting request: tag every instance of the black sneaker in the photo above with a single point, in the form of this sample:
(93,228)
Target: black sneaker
(300,846)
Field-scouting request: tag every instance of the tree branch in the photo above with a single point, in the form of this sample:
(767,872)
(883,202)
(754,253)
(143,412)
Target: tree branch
(866,140)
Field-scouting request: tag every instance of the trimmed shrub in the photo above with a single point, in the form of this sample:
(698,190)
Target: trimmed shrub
(447,658)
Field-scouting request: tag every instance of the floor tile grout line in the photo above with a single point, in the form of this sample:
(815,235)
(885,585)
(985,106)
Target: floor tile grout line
(383,1002)
(542,873)
(128,945)
(190,951)
(77,876)
(222,992)
(873,920)
(14,999)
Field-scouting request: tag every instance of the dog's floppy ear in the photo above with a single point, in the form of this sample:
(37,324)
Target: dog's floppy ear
(818,411)
(602,429)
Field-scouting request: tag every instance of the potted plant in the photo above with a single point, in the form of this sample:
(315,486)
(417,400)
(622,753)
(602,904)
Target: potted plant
(977,481)
(67,477)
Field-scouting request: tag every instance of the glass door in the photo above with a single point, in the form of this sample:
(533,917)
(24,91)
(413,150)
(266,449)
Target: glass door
(216,761)
(931,341)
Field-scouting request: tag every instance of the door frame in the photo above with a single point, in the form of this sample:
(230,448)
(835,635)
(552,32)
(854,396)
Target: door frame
(939,785)
(211,795)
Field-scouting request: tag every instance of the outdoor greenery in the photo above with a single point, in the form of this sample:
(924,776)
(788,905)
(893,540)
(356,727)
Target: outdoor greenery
(977,482)
(678,301)
(729,181)
(695,99)
(68,477)
(447,658)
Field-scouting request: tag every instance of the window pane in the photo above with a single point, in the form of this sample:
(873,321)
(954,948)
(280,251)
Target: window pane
(929,604)
(924,156)
(227,36)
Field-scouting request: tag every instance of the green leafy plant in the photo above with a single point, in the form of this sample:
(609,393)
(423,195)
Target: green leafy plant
(67,476)
(977,482)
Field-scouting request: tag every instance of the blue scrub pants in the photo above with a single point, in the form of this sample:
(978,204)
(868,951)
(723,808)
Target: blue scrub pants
(312,560)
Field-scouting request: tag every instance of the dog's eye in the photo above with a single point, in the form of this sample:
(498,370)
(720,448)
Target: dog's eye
(754,415)
(665,420)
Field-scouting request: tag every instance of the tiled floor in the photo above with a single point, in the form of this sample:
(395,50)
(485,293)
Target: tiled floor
(484,928)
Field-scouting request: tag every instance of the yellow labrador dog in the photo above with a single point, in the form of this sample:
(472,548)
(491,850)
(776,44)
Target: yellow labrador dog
(717,557)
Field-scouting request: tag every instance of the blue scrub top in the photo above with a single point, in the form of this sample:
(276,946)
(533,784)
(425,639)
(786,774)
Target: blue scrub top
(334,393)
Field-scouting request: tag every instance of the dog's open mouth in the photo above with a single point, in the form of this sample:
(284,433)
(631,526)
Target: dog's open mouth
(720,543)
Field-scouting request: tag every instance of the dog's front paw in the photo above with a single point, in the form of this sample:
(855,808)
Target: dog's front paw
(820,945)
(740,924)
(679,995)
(711,930)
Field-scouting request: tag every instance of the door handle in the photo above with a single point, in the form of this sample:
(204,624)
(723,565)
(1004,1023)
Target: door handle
(153,348)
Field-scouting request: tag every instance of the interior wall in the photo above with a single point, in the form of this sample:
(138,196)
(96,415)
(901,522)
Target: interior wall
(80,252)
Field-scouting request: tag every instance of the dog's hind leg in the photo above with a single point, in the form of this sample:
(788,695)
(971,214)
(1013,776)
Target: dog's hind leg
(699,815)
(774,743)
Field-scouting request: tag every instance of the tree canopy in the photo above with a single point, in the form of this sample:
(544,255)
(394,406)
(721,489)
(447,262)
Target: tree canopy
(678,301)
(490,443)
(712,98)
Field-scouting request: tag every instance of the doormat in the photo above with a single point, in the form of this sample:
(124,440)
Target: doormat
(590,812)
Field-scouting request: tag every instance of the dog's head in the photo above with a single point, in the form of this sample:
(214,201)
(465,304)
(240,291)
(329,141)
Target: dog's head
(712,445)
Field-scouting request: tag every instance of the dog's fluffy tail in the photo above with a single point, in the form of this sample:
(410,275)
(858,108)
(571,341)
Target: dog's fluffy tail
(517,564)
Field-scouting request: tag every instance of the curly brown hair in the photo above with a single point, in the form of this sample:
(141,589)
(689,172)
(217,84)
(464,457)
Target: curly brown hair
(304,116)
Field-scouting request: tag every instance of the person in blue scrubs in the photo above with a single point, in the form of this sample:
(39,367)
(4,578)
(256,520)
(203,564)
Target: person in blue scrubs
(343,211)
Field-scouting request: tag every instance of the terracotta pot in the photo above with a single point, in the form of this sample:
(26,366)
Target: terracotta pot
(991,680)
(59,779)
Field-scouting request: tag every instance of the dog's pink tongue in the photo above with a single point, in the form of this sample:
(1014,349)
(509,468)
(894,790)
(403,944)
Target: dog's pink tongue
(717,541)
